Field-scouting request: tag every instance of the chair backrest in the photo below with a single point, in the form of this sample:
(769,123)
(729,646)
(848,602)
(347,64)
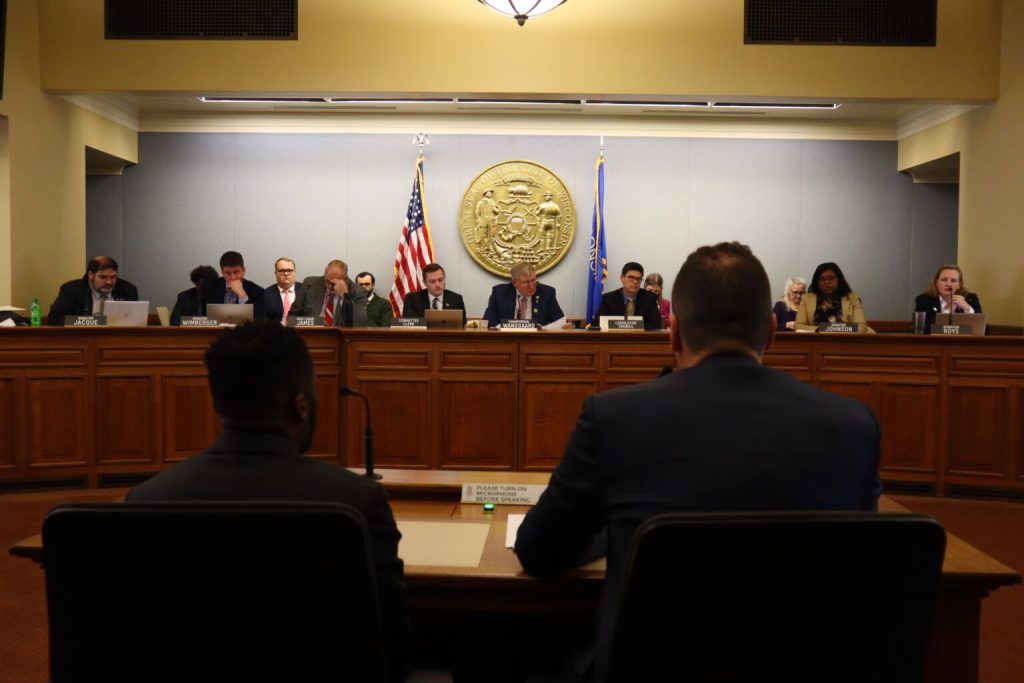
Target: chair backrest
(816,596)
(211,591)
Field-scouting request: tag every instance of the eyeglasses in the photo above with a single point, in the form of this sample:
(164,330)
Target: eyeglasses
(634,278)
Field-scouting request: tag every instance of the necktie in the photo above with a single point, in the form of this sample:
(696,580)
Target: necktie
(286,304)
(329,311)
(524,308)
(437,304)
(630,308)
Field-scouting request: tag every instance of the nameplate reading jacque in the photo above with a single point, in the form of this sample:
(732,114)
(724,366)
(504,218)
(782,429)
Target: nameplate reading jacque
(85,320)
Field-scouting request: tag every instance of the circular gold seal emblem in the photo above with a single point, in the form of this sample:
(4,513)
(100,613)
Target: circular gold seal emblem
(517,211)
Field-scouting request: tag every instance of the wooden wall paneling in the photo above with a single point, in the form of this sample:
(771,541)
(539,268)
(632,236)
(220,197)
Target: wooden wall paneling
(978,420)
(478,424)
(326,444)
(1018,472)
(549,409)
(57,421)
(190,422)
(403,422)
(125,423)
(910,426)
(8,417)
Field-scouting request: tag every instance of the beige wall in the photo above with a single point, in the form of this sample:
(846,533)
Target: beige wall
(44,241)
(654,47)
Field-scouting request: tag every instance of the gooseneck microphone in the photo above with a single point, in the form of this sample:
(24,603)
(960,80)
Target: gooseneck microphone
(368,435)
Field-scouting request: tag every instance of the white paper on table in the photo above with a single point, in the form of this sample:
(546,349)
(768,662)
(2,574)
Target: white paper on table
(512,529)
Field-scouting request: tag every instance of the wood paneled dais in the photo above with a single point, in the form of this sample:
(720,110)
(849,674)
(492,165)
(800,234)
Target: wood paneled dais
(477,423)
(978,429)
(403,423)
(124,408)
(911,414)
(7,417)
(58,410)
(190,422)
(550,410)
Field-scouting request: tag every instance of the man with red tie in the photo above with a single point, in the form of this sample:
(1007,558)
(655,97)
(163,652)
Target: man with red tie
(334,297)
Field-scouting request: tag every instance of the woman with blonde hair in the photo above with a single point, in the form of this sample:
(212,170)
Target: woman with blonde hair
(946,294)
(785,308)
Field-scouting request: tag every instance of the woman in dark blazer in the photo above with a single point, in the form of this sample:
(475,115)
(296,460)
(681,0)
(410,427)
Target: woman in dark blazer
(945,291)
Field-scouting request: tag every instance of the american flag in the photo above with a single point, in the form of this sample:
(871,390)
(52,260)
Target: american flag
(415,248)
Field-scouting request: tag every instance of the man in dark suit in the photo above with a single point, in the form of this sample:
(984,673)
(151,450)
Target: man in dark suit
(86,295)
(631,299)
(435,296)
(279,297)
(263,388)
(333,297)
(190,301)
(711,436)
(523,299)
(232,287)
(378,309)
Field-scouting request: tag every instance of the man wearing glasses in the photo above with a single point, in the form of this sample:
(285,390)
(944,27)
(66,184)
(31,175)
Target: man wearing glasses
(279,297)
(632,299)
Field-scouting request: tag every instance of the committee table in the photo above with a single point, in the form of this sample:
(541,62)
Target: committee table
(110,406)
(482,605)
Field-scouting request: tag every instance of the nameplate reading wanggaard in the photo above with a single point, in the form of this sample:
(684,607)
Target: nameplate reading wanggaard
(507,494)
(198,321)
(85,320)
(951,329)
(519,325)
(409,322)
(303,321)
(839,327)
(626,325)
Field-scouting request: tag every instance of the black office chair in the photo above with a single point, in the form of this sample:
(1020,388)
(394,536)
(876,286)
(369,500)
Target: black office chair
(813,597)
(211,591)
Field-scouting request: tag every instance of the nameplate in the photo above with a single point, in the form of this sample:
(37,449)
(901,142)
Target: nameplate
(951,329)
(303,321)
(519,325)
(507,494)
(85,320)
(198,321)
(415,323)
(626,325)
(839,327)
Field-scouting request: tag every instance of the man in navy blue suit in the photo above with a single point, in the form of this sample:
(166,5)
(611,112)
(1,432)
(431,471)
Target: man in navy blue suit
(721,433)
(523,299)
(283,292)
(232,287)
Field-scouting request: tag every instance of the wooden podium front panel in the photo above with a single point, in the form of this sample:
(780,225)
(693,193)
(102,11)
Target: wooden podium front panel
(402,418)
(124,407)
(190,422)
(8,416)
(979,431)
(551,408)
(325,438)
(911,440)
(478,424)
(58,413)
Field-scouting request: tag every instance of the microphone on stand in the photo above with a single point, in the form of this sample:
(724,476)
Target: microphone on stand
(368,435)
(950,307)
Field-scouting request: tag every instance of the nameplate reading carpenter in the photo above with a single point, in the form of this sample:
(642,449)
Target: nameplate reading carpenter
(519,325)
(198,321)
(626,325)
(839,327)
(85,320)
(303,321)
(951,329)
(414,323)
(507,494)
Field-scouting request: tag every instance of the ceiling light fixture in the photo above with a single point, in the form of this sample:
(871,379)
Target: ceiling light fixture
(521,10)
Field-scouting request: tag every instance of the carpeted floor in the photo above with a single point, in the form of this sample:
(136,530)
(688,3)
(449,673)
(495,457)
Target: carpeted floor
(996,528)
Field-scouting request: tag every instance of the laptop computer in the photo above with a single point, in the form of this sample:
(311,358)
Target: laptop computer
(229,314)
(444,319)
(976,321)
(126,313)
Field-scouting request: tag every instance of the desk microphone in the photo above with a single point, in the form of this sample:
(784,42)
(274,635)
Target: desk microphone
(950,307)
(368,436)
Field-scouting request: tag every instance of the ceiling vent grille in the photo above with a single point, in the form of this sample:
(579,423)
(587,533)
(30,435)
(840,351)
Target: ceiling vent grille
(893,23)
(201,19)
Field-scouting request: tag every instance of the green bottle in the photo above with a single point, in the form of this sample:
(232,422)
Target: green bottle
(37,319)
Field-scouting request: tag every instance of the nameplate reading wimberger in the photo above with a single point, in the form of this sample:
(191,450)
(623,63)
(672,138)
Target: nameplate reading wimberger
(839,327)
(507,494)
(85,320)
(415,323)
(951,329)
(626,325)
(198,321)
(303,321)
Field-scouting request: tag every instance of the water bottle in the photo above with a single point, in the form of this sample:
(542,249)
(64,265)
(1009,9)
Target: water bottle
(36,318)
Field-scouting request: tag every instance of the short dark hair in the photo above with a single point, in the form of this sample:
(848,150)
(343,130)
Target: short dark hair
(230,259)
(99,263)
(432,268)
(721,296)
(202,274)
(632,265)
(373,280)
(257,368)
(842,288)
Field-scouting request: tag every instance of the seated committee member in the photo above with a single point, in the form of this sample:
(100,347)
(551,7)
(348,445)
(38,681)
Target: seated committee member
(435,296)
(333,297)
(631,299)
(378,309)
(829,299)
(654,284)
(945,293)
(708,443)
(232,287)
(85,296)
(269,417)
(785,308)
(190,301)
(523,299)
(279,297)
